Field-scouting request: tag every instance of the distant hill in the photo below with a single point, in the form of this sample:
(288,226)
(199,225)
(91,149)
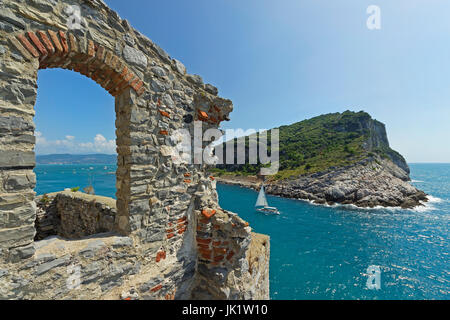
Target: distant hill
(76,159)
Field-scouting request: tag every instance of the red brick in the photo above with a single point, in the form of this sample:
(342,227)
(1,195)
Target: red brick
(182,219)
(125,77)
(96,75)
(202,115)
(100,54)
(64,43)
(181,231)
(213,120)
(113,62)
(208,214)
(187,175)
(203,246)
(187,181)
(91,49)
(206,256)
(218,258)
(157,288)
(216,243)
(170,235)
(58,47)
(28,45)
(204,241)
(230,255)
(160,256)
(164,132)
(138,85)
(212,178)
(73,44)
(108,58)
(219,251)
(115,79)
(38,44)
(170,230)
(164,114)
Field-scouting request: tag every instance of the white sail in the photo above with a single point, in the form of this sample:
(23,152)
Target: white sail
(262,201)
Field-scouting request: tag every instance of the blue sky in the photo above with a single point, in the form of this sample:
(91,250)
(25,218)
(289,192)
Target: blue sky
(281,62)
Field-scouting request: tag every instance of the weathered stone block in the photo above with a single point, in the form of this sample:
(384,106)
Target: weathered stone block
(17,182)
(16,237)
(9,17)
(14,125)
(17,159)
(135,57)
(46,267)
(25,252)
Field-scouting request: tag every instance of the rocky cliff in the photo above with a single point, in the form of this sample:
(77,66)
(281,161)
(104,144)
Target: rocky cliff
(337,158)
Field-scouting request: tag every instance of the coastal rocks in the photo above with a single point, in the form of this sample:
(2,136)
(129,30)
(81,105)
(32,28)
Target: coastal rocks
(366,184)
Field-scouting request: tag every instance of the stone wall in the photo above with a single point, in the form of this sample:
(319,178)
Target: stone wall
(74,215)
(153,250)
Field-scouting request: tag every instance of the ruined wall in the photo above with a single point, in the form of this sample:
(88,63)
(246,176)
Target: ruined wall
(153,251)
(73,215)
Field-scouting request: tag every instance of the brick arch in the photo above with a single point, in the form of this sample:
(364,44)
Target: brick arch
(169,227)
(58,49)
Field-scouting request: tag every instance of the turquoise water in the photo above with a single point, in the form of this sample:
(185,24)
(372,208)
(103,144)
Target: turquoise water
(322,252)
(53,178)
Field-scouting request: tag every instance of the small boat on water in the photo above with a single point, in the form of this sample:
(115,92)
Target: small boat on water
(262,204)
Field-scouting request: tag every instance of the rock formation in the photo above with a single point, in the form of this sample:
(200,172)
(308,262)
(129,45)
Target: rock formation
(346,159)
(369,183)
(166,236)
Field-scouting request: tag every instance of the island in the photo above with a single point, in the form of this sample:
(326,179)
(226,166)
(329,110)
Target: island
(337,158)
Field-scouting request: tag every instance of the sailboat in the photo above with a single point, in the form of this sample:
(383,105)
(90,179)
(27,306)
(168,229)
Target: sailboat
(262,205)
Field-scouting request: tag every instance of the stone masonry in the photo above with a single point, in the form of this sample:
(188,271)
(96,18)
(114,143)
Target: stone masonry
(166,237)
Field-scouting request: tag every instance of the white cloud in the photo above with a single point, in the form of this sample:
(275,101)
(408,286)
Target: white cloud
(99,144)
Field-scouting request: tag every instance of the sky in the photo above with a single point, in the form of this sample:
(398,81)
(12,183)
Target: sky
(280,62)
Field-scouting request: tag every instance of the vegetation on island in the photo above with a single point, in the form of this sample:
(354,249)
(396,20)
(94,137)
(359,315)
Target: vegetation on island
(320,143)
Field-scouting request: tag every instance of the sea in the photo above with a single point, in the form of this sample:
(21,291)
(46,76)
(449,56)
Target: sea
(328,252)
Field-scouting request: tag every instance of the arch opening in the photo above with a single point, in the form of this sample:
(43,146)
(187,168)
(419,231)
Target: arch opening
(76,159)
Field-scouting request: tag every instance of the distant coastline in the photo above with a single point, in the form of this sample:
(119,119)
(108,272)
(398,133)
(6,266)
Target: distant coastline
(58,159)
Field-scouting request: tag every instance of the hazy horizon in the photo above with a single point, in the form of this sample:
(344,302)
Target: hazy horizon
(281,62)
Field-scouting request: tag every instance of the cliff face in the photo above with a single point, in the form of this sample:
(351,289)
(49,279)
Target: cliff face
(377,141)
